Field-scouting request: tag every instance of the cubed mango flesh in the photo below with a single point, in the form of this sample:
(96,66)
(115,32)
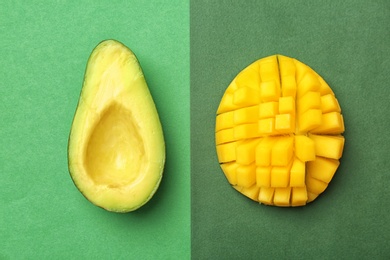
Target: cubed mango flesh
(263,176)
(297,173)
(246,175)
(279,132)
(282,196)
(304,148)
(266,195)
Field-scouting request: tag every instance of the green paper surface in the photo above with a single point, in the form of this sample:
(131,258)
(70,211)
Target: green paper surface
(44,48)
(348,44)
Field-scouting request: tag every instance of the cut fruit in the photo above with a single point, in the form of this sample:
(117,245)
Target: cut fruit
(116,150)
(278,132)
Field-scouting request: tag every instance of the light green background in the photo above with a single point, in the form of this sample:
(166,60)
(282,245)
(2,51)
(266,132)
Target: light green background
(348,44)
(44,47)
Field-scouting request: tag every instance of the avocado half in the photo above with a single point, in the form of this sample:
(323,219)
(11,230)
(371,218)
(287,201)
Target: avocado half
(116,150)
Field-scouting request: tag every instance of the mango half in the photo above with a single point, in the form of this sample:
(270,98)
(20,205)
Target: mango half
(279,132)
(116,150)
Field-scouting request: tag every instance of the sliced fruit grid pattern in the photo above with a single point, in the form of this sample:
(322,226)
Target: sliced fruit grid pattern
(278,132)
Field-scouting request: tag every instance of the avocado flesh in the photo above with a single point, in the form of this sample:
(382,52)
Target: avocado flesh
(116,149)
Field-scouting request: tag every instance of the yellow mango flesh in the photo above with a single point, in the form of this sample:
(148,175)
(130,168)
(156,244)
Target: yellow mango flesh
(116,149)
(279,132)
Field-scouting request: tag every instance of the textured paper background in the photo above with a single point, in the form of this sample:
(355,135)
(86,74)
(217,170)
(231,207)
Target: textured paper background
(348,43)
(44,47)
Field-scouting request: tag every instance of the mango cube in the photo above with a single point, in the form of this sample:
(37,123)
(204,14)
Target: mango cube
(224,136)
(282,196)
(263,151)
(246,96)
(308,83)
(269,91)
(310,100)
(224,121)
(331,123)
(284,123)
(304,148)
(286,66)
(297,173)
(280,176)
(268,110)
(323,169)
(328,146)
(246,175)
(329,103)
(282,151)
(227,104)
(251,192)
(301,70)
(286,105)
(263,176)
(245,131)
(246,115)
(266,126)
(245,153)
(266,195)
(314,185)
(269,69)
(324,88)
(230,172)
(249,77)
(299,196)
(226,152)
(310,119)
(289,86)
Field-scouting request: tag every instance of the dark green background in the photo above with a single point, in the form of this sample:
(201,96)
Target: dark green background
(44,47)
(348,43)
